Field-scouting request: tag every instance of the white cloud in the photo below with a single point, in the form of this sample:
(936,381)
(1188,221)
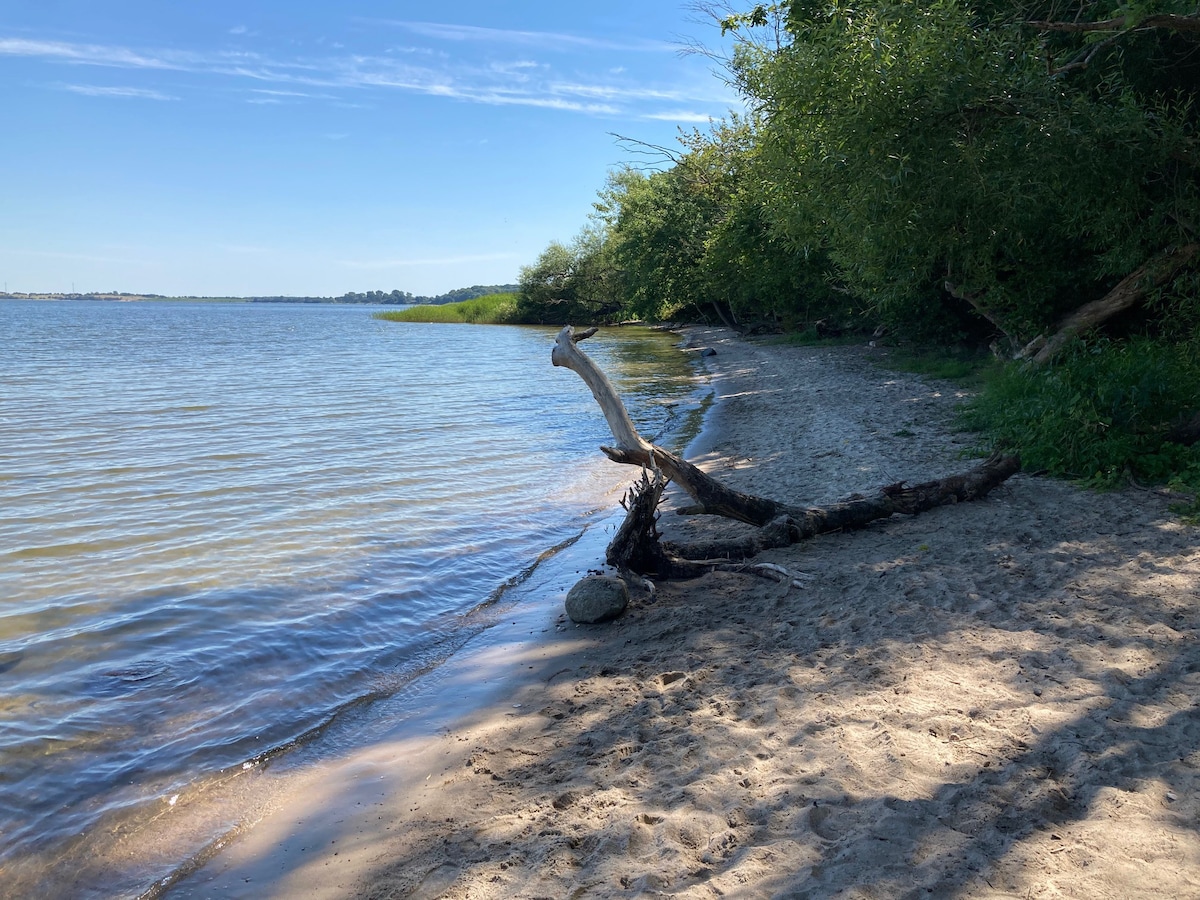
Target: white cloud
(685,116)
(92,90)
(544,39)
(269,95)
(615,91)
(94,54)
(524,81)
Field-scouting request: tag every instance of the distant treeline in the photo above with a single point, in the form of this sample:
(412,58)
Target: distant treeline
(380,297)
(399,297)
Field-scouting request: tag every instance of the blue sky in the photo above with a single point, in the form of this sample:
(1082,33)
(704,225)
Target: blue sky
(306,147)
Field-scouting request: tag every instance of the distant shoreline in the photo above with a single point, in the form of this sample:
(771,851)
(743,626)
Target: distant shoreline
(374,298)
(137,298)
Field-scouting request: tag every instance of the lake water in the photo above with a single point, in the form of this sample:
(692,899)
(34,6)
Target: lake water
(224,525)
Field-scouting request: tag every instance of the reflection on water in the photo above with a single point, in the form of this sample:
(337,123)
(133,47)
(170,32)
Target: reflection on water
(221,523)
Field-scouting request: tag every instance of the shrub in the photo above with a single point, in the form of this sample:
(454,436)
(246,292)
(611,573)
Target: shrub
(1101,414)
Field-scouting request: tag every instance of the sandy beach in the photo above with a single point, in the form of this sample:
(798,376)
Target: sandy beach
(994,699)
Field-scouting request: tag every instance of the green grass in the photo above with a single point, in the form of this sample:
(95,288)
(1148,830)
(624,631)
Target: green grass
(1100,414)
(810,337)
(493,309)
(969,368)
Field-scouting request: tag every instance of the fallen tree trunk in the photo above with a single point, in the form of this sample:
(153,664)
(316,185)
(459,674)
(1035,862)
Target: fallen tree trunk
(631,449)
(1127,294)
(637,547)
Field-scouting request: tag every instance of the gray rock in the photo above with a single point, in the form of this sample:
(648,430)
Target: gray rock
(597,598)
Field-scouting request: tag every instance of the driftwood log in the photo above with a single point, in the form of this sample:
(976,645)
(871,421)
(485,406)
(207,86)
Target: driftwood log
(637,548)
(1131,290)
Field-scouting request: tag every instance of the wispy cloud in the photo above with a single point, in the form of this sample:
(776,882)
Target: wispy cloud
(616,91)
(524,81)
(272,96)
(94,90)
(683,116)
(93,54)
(543,39)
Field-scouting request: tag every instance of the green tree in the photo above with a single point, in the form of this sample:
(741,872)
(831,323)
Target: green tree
(569,283)
(931,144)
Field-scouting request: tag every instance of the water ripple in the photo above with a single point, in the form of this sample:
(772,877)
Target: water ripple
(220,524)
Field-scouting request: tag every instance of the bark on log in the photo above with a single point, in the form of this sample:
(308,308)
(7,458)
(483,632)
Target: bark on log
(674,561)
(637,547)
(1129,292)
(631,449)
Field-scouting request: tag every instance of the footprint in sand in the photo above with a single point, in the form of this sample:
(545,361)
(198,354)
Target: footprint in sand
(821,821)
(436,882)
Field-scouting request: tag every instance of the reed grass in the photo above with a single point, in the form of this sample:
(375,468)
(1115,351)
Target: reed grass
(492,309)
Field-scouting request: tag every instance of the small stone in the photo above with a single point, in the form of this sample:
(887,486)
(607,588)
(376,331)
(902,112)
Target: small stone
(597,598)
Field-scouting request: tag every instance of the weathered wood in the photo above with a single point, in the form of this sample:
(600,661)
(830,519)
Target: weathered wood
(1128,293)
(631,449)
(637,550)
(909,500)
(852,514)
(637,547)
(567,354)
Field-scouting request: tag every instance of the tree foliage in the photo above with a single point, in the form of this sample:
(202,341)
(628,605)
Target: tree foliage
(569,283)
(1019,173)
(950,168)
(938,141)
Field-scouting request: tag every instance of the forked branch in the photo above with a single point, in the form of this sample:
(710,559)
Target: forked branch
(636,547)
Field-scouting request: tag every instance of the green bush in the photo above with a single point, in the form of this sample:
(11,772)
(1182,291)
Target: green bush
(1101,414)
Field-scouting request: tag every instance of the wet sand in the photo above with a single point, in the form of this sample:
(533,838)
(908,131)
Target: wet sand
(994,699)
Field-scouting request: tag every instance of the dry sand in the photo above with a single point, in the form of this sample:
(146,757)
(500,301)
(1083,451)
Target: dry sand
(995,699)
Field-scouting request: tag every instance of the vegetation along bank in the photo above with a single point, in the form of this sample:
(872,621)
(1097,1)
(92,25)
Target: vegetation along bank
(1019,177)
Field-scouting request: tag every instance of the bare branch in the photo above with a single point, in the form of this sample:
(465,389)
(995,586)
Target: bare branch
(659,157)
(1084,59)
(1123,24)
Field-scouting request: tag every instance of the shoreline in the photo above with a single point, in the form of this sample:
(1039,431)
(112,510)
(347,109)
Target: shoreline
(117,802)
(987,700)
(495,662)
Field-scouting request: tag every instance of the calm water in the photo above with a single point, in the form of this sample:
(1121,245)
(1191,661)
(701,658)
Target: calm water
(220,524)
